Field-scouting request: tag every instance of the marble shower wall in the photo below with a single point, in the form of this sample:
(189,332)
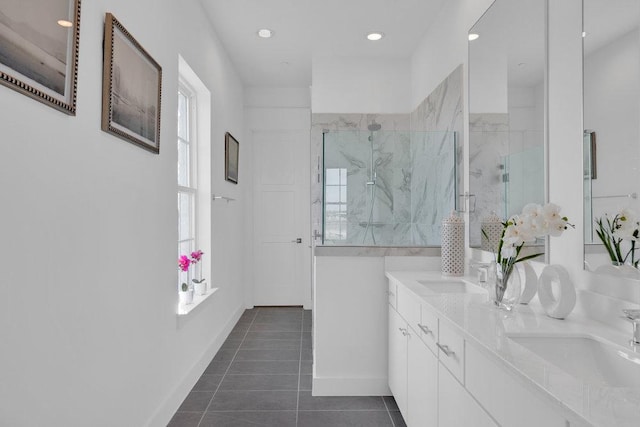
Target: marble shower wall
(415,163)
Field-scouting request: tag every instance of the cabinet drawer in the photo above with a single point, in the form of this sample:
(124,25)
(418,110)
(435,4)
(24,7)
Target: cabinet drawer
(392,292)
(508,401)
(451,351)
(429,329)
(409,308)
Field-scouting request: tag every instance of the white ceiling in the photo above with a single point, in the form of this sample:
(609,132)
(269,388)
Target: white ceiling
(308,28)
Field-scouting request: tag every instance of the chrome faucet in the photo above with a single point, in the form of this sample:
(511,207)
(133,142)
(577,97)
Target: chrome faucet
(634,317)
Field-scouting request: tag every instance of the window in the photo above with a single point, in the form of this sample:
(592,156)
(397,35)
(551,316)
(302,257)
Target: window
(194,178)
(187,173)
(335,204)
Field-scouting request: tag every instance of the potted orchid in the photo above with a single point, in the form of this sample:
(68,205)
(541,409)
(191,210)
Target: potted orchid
(186,292)
(199,283)
(534,222)
(619,236)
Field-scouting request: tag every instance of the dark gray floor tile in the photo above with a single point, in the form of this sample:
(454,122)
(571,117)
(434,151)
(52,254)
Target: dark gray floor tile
(254,401)
(185,419)
(264,367)
(249,419)
(277,327)
(398,421)
(306,336)
(306,381)
(260,344)
(391,403)
(275,354)
(224,354)
(307,354)
(231,344)
(322,403)
(307,327)
(217,367)
(196,401)
(241,327)
(207,383)
(306,367)
(237,335)
(268,335)
(270,317)
(260,382)
(344,419)
(307,344)
(282,309)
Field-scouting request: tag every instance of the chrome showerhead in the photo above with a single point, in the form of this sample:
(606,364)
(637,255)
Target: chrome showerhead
(374,126)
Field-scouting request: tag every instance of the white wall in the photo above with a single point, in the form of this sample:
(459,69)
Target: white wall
(361,85)
(444,46)
(88,295)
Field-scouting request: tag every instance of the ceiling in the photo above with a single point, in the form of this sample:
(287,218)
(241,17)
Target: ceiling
(308,28)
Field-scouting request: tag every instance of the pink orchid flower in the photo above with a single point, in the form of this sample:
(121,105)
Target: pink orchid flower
(184,262)
(196,256)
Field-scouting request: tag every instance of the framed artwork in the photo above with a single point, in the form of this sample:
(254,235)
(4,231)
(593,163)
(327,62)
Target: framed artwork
(131,87)
(231,151)
(39,42)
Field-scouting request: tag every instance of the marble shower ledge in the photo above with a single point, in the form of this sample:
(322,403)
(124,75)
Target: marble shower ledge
(376,251)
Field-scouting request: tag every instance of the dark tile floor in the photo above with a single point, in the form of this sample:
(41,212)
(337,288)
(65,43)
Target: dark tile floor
(262,377)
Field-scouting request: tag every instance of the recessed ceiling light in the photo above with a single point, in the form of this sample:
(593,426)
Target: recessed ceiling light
(584,34)
(473,36)
(265,33)
(65,23)
(375,36)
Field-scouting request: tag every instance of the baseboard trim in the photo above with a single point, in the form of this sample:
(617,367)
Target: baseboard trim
(171,404)
(339,386)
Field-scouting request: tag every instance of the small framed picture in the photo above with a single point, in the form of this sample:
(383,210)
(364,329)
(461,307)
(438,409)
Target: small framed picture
(231,151)
(39,42)
(131,87)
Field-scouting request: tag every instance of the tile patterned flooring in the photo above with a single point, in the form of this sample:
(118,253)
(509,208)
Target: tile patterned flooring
(261,376)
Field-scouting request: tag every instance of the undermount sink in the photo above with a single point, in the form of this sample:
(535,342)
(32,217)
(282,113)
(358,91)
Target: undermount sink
(586,358)
(450,287)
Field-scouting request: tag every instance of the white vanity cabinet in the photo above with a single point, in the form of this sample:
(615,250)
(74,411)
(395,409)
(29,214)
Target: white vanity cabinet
(422,385)
(440,380)
(398,359)
(456,407)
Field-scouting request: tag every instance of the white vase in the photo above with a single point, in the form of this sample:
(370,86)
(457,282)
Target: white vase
(186,297)
(200,288)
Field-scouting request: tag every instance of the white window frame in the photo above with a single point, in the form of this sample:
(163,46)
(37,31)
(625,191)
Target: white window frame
(192,188)
(342,206)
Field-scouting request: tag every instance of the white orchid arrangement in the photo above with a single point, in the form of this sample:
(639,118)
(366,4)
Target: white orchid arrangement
(534,222)
(623,227)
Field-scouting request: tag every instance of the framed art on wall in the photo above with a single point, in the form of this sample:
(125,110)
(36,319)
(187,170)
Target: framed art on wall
(131,89)
(231,151)
(39,42)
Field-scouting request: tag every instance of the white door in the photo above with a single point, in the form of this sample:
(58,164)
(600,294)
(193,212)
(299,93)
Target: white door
(282,221)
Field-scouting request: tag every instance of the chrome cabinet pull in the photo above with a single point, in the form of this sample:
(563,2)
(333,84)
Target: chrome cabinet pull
(445,349)
(425,329)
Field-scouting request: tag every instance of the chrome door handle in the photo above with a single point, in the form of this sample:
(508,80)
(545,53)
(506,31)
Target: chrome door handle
(445,349)
(425,329)
(298,240)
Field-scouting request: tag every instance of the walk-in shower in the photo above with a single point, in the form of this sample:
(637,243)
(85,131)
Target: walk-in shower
(387,188)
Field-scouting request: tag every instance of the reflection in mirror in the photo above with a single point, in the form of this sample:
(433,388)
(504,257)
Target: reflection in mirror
(611,63)
(506,114)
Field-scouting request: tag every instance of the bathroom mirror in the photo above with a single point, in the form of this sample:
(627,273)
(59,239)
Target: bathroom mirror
(611,144)
(507,69)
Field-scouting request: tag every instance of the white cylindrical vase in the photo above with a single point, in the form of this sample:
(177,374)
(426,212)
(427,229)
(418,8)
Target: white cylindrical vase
(452,245)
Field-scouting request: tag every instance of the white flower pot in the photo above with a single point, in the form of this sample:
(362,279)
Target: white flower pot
(200,288)
(186,297)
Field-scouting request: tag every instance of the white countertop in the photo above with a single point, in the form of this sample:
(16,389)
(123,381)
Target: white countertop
(487,327)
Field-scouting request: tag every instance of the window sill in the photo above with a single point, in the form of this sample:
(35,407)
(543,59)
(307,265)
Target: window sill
(183,310)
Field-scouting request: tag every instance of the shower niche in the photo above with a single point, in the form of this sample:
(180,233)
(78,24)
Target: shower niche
(387,188)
